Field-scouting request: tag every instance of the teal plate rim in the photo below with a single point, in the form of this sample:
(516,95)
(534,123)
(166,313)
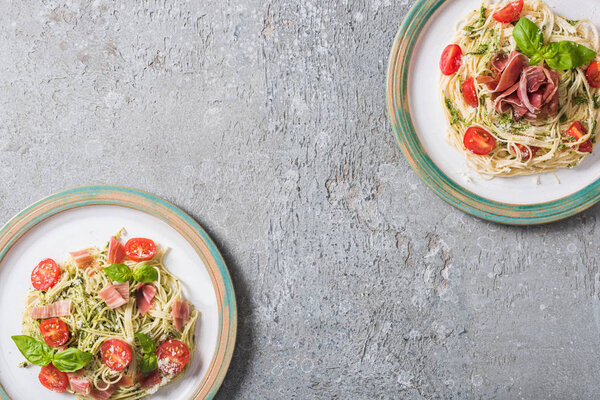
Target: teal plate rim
(83,196)
(408,141)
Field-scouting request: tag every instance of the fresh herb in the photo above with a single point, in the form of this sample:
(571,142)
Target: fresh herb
(562,55)
(39,353)
(596,100)
(573,21)
(454,114)
(561,146)
(470,29)
(145,273)
(149,361)
(481,50)
(482,16)
(122,273)
(563,118)
(593,126)
(580,100)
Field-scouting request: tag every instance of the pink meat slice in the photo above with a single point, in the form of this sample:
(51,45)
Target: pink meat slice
(144,295)
(60,308)
(180,313)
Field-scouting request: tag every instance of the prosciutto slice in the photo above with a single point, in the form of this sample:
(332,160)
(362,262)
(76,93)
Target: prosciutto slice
(153,378)
(97,394)
(83,258)
(79,383)
(116,251)
(180,313)
(60,308)
(144,295)
(508,71)
(115,295)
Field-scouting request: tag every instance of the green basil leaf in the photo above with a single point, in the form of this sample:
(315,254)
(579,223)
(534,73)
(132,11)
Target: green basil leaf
(35,351)
(528,36)
(536,59)
(118,272)
(570,55)
(71,359)
(550,50)
(148,363)
(145,273)
(148,345)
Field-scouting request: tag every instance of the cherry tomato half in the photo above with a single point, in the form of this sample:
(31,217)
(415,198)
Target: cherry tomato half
(510,13)
(577,131)
(479,141)
(469,93)
(593,74)
(173,356)
(116,354)
(53,379)
(54,331)
(526,153)
(140,249)
(45,275)
(451,59)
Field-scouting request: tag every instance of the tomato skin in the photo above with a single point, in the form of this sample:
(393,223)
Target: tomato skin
(140,249)
(54,331)
(593,74)
(53,379)
(469,93)
(173,356)
(451,59)
(45,275)
(577,131)
(479,141)
(510,13)
(116,354)
(526,154)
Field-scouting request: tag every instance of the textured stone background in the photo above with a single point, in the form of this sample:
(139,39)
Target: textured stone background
(266,121)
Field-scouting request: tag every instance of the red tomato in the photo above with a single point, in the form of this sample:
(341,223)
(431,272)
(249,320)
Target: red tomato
(116,354)
(479,141)
(469,93)
(510,13)
(54,331)
(525,153)
(53,379)
(173,355)
(577,131)
(593,74)
(45,275)
(451,59)
(140,249)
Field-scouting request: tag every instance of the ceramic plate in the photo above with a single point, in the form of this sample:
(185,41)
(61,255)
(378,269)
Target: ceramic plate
(420,126)
(86,216)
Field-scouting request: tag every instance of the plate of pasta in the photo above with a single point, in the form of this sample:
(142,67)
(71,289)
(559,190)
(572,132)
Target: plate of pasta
(112,293)
(495,104)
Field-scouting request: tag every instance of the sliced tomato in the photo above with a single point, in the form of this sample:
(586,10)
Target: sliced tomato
(53,379)
(469,93)
(593,74)
(479,141)
(45,275)
(173,356)
(510,13)
(140,249)
(116,354)
(526,153)
(451,59)
(577,131)
(54,331)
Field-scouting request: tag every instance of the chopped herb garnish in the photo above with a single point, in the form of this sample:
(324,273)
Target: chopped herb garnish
(454,114)
(563,118)
(561,146)
(580,100)
(573,21)
(596,100)
(481,50)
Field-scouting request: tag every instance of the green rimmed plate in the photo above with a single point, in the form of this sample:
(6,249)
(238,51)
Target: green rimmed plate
(85,216)
(420,127)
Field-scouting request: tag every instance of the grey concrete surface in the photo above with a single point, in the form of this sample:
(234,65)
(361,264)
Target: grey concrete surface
(266,121)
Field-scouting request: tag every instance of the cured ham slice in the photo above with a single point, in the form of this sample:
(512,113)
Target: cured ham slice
(116,252)
(153,378)
(83,258)
(79,383)
(144,295)
(60,308)
(508,72)
(125,381)
(115,295)
(180,313)
(97,394)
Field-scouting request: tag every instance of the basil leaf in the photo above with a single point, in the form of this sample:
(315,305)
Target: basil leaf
(118,272)
(148,363)
(569,55)
(35,351)
(148,345)
(71,359)
(528,36)
(145,273)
